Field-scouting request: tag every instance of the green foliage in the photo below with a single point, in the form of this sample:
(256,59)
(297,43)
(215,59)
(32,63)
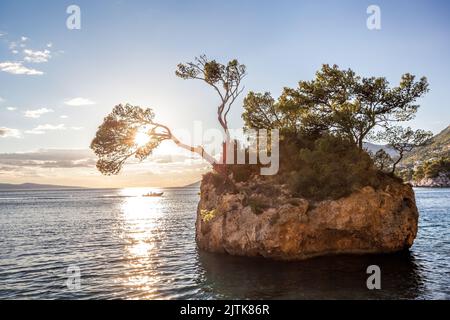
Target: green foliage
(419,174)
(324,122)
(333,168)
(437,148)
(315,167)
(404,140)
(406,174)
(428,169)
(224,79)
(383,160)
(208,215)
(262,112)
(115,141)
(227,76)
(432,169)
(339,102)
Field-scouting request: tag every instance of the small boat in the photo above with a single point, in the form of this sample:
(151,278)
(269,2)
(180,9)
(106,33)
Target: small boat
(153,194)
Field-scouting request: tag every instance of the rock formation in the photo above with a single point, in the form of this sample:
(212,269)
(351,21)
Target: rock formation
(254,219)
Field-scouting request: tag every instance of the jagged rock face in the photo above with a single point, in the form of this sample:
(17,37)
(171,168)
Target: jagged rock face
(367,221)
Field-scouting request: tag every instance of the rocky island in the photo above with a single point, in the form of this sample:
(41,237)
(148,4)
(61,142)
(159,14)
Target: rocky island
(324,195)
(257,219)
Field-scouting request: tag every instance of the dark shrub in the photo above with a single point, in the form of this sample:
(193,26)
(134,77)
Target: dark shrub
(333,168)
(243,172)
(221,183)
(314,167)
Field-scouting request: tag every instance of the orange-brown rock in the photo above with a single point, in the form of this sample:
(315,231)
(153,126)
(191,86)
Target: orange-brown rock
(367,221)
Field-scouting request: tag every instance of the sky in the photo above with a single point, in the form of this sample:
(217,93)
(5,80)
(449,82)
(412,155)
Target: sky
(57,84)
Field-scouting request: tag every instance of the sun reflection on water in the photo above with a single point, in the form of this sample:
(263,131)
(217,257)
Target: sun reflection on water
(140,225)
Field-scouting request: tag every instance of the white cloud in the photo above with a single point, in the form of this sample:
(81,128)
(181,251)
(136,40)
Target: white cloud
(12,45)
(49,158)
(15,52)
(76,102)
(18,68)
(8,132)
(63,116)
(1,100)
(49,45)
(11,109)
(37,113)
(37,56)
(42,128)
(23,39)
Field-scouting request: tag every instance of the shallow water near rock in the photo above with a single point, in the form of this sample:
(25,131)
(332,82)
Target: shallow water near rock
(131,247)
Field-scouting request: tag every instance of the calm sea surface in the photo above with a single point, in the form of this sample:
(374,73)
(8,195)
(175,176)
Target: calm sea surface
(130,247)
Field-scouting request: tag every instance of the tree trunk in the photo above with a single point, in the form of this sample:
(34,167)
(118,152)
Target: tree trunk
(400,157)
(198,150)
(360,144)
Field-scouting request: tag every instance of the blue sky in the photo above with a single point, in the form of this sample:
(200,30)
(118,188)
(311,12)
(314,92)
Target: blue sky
(127,51)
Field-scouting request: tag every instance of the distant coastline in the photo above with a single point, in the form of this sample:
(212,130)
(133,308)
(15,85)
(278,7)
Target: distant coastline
(37,186)
(34,186)
(430,187)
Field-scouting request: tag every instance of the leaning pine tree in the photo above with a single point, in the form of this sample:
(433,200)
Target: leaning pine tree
(116,138)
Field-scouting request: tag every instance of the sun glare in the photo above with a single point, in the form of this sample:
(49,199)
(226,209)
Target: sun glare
(142,138)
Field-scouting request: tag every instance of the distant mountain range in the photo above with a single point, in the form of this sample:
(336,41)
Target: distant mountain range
(193,185)
(33,186)
(373,148)
(438,148)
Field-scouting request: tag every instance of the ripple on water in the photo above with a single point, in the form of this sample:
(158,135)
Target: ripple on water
(131,247)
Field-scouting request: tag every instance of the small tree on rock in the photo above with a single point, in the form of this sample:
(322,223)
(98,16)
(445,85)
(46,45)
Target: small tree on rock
(382,160)
(404,140)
